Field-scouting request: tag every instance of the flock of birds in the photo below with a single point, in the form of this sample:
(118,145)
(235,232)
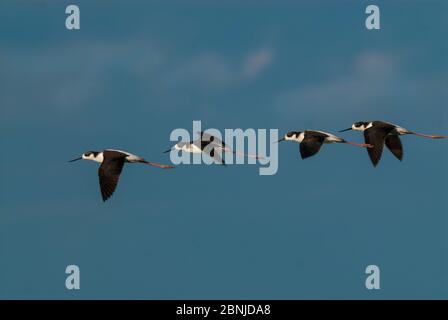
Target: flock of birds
(376,135)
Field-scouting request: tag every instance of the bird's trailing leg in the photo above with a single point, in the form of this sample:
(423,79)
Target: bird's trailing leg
(248,155)
(362,145)
(158,165)
(242,154)
(427,135)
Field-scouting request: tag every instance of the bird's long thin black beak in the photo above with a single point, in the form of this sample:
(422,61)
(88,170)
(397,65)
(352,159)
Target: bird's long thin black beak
(345,129)
(282,139)
(168,150)
(75,159)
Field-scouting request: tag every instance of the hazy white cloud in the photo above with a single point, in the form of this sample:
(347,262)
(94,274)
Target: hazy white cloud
(71,76)
(215,70)
(376,64)
(206,69)
(257,62)
(372,78)
(66,77)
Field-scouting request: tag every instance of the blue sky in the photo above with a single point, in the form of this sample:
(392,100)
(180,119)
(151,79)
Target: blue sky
(137,70)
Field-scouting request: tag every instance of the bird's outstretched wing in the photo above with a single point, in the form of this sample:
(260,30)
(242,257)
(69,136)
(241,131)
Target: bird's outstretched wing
(109,174)
(394,144)
(216,154)
(212,146)
(375,136)
(311,145)
(208,138)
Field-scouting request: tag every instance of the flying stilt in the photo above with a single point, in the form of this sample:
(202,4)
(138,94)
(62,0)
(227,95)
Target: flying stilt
(112,162)
(210,145)
(378,133)
(311,141)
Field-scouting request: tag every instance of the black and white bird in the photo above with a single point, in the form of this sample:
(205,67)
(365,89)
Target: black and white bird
(378,133)
(112,162)
(210,145)
(311,141)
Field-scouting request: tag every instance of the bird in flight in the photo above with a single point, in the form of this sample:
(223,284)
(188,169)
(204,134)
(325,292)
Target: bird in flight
(210,145)
(311,141)
(112,162)
(378,133)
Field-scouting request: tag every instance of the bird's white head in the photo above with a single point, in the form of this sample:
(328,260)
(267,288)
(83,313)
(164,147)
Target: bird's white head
(292,136)
(90,155)
(358,126)
(182,146)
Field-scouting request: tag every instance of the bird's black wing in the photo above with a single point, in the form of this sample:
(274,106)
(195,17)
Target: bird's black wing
(208,138)
(310,145)
(393,142)
(109,174)
(212,146)
(375,136)
(216,154)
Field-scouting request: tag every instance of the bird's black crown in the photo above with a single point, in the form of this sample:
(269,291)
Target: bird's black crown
(292,133)
(360,124)
(88,153)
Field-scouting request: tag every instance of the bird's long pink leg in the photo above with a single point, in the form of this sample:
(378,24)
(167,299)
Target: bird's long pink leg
(163,166)
(249,155)
(242,154)
(427,135)
(362,145)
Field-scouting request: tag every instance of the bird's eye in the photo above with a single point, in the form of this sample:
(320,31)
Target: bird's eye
(87,154)
(290,134)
